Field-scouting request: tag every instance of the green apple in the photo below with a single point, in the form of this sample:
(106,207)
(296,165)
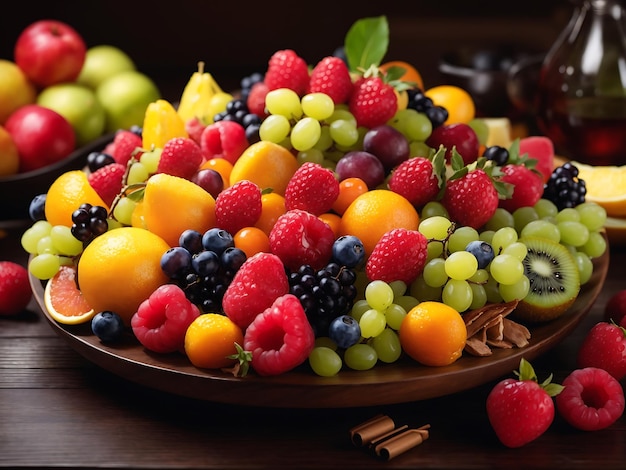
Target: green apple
(102,62)
(125,97)
(79,105)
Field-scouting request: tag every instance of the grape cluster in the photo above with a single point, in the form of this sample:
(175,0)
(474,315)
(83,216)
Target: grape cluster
(325,294)
(88,222)
(237,110)
(423,104)
(203,265)
(564,188)
(248,82)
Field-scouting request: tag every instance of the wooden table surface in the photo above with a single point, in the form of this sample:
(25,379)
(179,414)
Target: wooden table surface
(58,410)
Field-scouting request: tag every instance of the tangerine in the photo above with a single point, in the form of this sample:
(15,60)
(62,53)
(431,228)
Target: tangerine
(210,339)
(458,102)
(252,240)
(376,212)
(349,190)
(64,301)
(120,269)
(66,194)
(433,334)
(411,74)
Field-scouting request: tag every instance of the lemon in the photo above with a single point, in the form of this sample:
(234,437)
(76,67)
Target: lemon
(606,186)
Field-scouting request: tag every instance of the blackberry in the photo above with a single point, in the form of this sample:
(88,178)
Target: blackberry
(564,188)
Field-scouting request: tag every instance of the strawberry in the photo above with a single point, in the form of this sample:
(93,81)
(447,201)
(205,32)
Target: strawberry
(591,400)
(181,156)
(125,145)
(108,181)
(417,180)
(280,338)
(256,99)
(332,77)
(299,237)
(372,102)
(259,281)
(312,188)
(520,410)
(287,70)
(15,292)
(604,347)
(527,187)
(238,206)
(399,255)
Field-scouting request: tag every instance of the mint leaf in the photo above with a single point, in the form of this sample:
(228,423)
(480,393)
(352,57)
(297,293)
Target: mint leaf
(366,42)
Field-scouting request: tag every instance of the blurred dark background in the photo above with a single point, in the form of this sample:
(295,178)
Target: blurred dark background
(167,39)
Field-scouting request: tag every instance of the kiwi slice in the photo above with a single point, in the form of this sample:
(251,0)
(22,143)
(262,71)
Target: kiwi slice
(554,281)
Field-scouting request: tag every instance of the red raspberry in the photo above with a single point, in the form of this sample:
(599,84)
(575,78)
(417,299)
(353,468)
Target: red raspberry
(372,102)
(399,255)
(298,237)
(416,180)
(312,188)
(332,77)
(108,181)
(260,280)
(238,206)
(181,156)
(125,143)
(591,400)
(162,319)
(223,139)
(280,338)
(527,187)
(287,70)
(471,199)
(256,99)
(15,292)
(194,128)
(604,347)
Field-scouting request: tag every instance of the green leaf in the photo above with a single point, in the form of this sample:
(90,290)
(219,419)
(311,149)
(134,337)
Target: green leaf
(366,42)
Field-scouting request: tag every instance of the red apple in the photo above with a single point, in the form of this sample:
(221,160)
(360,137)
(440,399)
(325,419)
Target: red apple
(50,52)
(42,136)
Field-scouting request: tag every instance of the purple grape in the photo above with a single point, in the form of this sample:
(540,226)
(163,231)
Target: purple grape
(388,144)
(361,164)
(209,180)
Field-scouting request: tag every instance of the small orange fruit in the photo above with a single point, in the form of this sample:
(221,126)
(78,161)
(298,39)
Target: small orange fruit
(9,156)
(458,102)
(267,164)
(410,74)
(252,240)
(64,301)
(66,194)
(161,123)
(210,339)
(272,207)
(433,334)
(333,221)
(376,212)
(349,190)
(120,269)
(222,166)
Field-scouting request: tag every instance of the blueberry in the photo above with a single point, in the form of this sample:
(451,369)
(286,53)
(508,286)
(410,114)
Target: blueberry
(348,251)
(108,326)
(232,258)
(191,240)
(483,252)
(37,207)
(176,262)
(217,240)
(344,331)
(206,263)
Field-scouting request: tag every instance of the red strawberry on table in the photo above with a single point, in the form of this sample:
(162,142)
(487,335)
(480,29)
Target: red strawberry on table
(400,255)
(520,410)
(312,188)
(287,70)
(373,102)
(15,292)
(332,77)
(604,347)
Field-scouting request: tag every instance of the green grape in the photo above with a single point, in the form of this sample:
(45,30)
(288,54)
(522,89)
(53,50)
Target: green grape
(407,302)
(415,126)
(501,218)
(44,266)
(422,291)
(398,288)
(326,342)
(394,315)
(542,228)
(435,227)
(479,296)
(506,269)
(113,224)
(33,234)
(481,129)
(492,290)
(360,357)
(569,214)
(312,155)
(461,237)
(305,133)
(420,149)
(319,106)
(457,294)
(434,272)
(344,132)
(486,236)
(517,291)
(517,249)
(592,215)
(359,308)
(372,323)
(573,233)
(584,265)
(137,173)
(284,102)
(123,210)
(460,265)
(64,242)
(379,295)
(325,141)
(522,216)
(434,250)
(343,113)
(432,209)
(546,208)
(333,156)
(503,238)
(150,159)
(387,346)
(595,246)
(275,128)
(480,276)
(324,361)
(45,245)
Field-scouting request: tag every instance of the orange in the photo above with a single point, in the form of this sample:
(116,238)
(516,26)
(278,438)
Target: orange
(267,164)
(349,190)
(433,334)
(376,212)
(66,194)
(222,166)
(333,221)
(606,186)
(161,123)
(210,339)
(410,74)
(120,269)
(172,205)
(252,240)
(64,301)
(458,102)
(272,207)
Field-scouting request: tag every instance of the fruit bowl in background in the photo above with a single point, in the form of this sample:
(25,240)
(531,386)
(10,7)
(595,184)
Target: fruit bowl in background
(17,191)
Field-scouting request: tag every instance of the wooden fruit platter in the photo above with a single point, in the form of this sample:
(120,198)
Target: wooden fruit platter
(401,382)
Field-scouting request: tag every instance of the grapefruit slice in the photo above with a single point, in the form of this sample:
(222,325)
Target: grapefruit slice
(64,301)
